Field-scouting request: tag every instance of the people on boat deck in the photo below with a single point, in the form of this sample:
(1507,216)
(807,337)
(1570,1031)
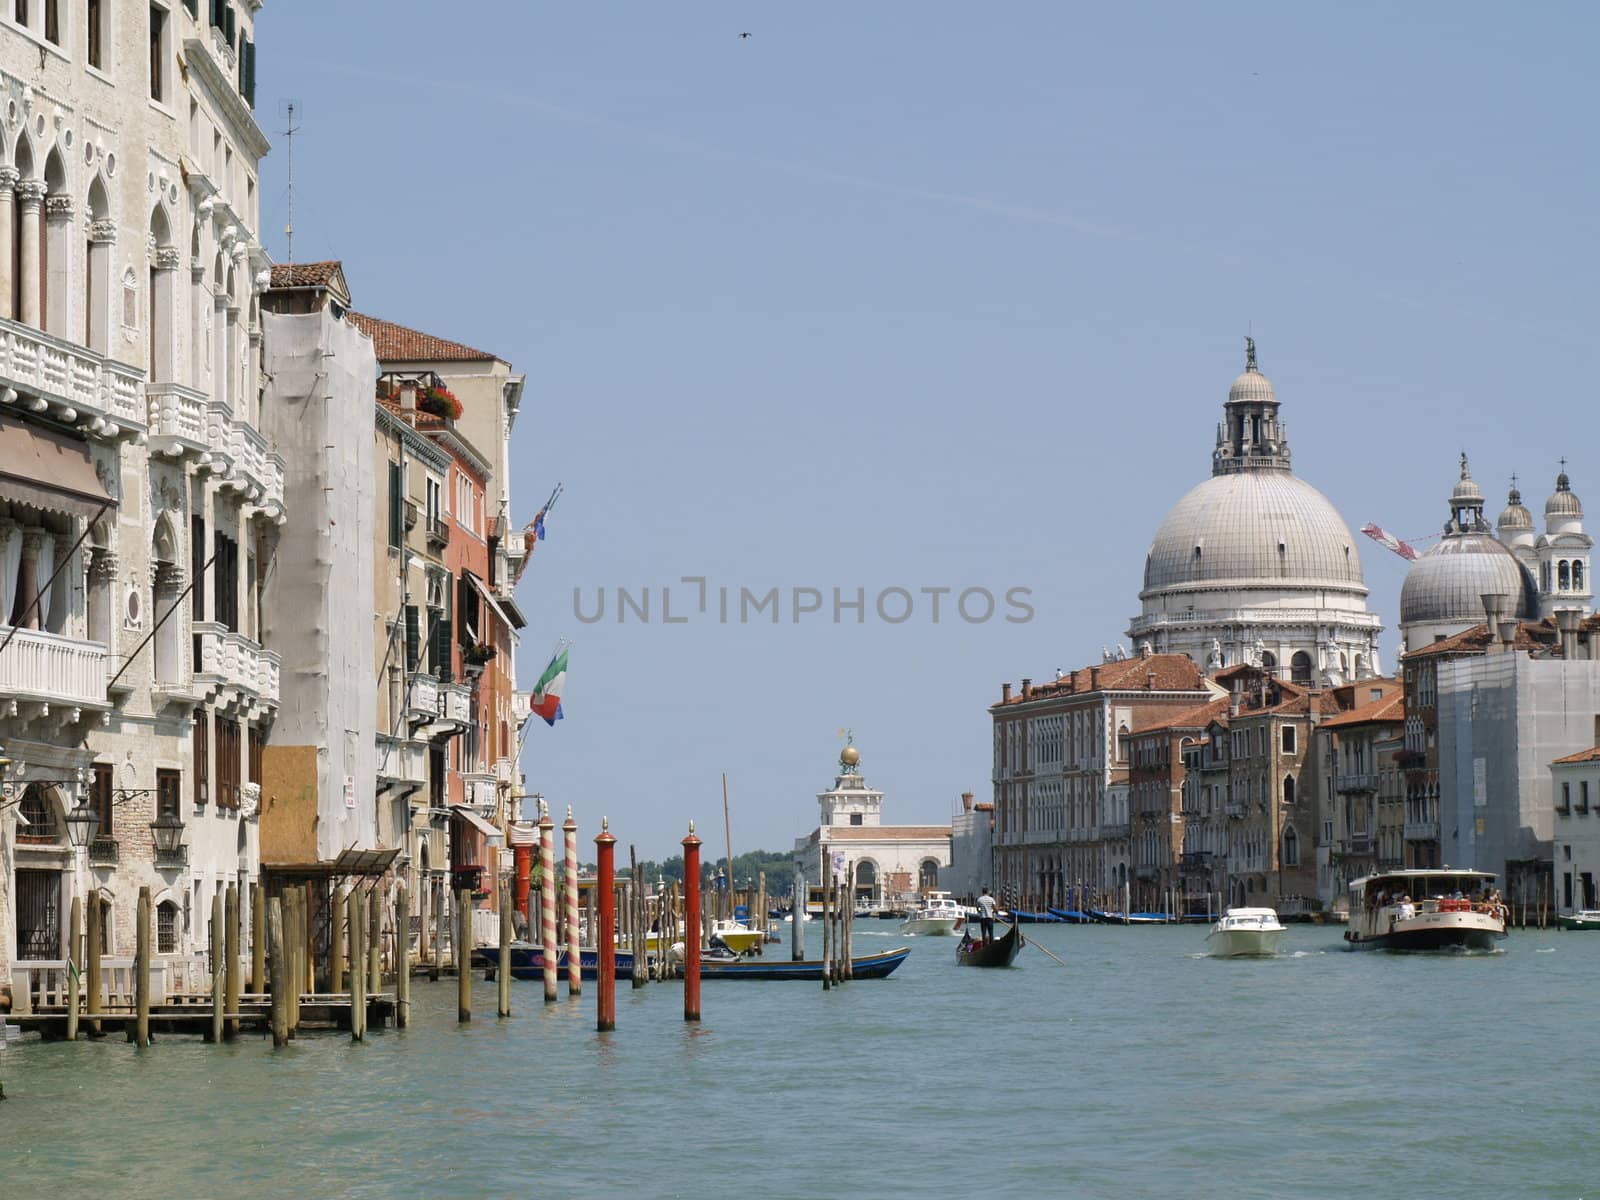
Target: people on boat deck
(986,907)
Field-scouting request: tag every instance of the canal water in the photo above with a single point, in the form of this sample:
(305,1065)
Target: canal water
(1139,1069)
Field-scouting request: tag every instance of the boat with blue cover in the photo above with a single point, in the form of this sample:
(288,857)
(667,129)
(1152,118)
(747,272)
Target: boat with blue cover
(1023,917)
(866,966)
(1071,916)
(527,961)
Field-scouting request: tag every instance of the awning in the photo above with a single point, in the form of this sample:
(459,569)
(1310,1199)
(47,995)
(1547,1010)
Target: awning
(495,605)
(45,469)
(471,817)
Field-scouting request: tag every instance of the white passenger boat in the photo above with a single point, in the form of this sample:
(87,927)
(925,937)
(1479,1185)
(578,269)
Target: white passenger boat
(1245,933)
(1425,909)
(938,916)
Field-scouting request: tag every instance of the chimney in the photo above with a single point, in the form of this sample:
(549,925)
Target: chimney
(408,401)
(1567,621)
(1027,688)
(1094,679)
(1233,700)
(1072,681)
(1507,633)
(1005,693)
(966,801)
(1150,681)
(1495,606)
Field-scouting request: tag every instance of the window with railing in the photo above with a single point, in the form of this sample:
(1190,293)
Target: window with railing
(38,812)
(166,927)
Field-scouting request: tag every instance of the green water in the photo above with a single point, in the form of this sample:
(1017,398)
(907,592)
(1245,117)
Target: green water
(1140,1069)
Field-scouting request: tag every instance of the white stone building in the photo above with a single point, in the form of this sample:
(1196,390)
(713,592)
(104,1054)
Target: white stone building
(129,352)
(1575,783)
(1255,565)
(886,862)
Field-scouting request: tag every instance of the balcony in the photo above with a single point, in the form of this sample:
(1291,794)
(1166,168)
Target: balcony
(1197,858)
(1421,831)
(1114,831)
(1238,811)
(438,532)
(455,702)
(401,762)
(104,852)
(479,790)
(422,702)
(413,514)
(174,859)
(1357,843)
(72,384)
(177,417)
(232,667)
(49,669)
(1357,782)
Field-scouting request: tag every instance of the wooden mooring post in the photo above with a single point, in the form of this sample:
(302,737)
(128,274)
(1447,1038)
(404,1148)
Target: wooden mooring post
(230,935)
(139,1030)
(503,971)
(280,974)
(691,923)
(639,922)
(374,907)
(827,923)
(337,948)
(797,918)
(606,941)
(355,912)
(463,955)
(219,971)
(549,953)
(75,940)
(258,938)
(91,956)
(569,849)
(402,957)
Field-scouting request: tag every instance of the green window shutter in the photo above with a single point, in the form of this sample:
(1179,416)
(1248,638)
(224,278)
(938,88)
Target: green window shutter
(413,638)
(396,514)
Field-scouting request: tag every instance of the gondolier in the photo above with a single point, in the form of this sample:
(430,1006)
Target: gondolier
(986,907)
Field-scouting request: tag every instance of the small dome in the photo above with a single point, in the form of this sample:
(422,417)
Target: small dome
(1252,386)
(1563,501)
(1515,516)
(1466,491)
(1448,583)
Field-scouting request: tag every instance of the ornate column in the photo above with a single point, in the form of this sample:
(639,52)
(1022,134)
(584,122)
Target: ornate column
(58,287)
(167,581)
(236,395)
(8,252)
(163,309)
(24,610)
(102,588)
(97,322)
(30,195)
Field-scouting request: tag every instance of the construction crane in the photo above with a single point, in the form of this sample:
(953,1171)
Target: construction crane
(1384,538)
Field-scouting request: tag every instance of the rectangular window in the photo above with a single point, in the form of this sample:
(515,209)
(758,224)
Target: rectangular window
(167,928)
(202,756)
(95,39)
(436,776)
(396,507)
(258,743)
(168,789)
(433,492)
(467,621)
(158,41)
(20,12)
(228,764)
(193,6)
(52,21)
(1288,739)
(100,800)
(1583,796)
(225,571)
(413,639)
(247,72)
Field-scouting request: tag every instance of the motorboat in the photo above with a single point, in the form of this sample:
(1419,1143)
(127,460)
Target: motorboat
(1245,933)
(1425,909)
(1584,918)
(739,938)
(939,916)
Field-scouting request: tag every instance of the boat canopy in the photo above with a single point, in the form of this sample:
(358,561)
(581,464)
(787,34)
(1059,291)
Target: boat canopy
(1252,913)
(1411,874)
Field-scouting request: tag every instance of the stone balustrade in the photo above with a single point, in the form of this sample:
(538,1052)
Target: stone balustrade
(233,661)
(55,670)
(177,418)
(73,384)
(401,760)
(455,703)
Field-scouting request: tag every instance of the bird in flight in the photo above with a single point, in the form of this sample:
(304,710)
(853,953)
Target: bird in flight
(744,35)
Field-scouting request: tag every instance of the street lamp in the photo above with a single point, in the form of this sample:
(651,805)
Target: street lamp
(167,830)
(82,823)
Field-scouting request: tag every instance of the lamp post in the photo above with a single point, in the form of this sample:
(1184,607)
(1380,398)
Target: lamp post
(167,832)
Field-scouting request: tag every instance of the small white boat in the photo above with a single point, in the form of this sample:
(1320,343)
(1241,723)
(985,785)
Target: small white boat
(939,916)
(1245,933)
(741,939)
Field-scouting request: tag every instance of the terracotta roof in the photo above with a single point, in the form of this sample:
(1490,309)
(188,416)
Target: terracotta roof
(317,274)
(1390,708)
(1189,718)
(1592,754)
(396,343)
(1530,635)
(1173,673)
(886,833)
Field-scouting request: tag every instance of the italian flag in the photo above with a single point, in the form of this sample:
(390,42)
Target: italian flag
(547,693)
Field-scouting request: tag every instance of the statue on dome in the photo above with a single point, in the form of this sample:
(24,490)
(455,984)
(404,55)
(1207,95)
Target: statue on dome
(1249,353)
(1214,659)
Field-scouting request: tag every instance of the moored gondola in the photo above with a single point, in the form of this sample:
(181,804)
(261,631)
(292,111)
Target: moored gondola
(997,952)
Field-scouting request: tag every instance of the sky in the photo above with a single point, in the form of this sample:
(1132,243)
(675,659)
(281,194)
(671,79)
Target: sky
(912,296)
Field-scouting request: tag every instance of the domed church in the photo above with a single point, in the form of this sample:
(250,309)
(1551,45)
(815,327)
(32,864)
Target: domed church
(1255,565)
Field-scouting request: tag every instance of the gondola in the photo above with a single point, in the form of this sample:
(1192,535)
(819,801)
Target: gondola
(996,953)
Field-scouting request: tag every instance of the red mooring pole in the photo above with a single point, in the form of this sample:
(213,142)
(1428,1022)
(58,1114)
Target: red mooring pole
(606,1008)
(691,926)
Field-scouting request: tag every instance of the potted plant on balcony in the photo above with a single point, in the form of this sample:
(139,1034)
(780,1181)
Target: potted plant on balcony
(475,658)
(440,402)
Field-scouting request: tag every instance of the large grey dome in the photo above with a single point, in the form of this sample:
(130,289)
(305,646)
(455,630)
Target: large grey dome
(1254,529)
(1448,583)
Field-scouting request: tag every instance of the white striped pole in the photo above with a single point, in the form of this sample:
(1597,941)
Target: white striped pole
(569,830)
(547,901)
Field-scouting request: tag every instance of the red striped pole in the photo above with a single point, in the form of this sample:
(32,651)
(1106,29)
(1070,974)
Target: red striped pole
(606,1008)
(547,903)
(691,926)
(574,943)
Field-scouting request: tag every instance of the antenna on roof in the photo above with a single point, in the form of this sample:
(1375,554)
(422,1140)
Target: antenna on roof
(286,109)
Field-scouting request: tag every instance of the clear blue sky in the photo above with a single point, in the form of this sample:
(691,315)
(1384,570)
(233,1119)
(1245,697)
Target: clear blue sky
(920,295)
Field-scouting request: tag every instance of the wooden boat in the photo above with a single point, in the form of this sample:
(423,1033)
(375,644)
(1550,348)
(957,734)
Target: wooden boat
(1584,918)
(999,952)
(866,966)
(527,961)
